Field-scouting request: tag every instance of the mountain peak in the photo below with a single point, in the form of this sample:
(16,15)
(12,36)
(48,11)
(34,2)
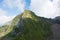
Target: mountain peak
(28,14)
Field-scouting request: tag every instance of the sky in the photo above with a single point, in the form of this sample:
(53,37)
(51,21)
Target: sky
(44,8)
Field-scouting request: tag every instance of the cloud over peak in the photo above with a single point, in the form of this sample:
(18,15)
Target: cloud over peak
(45,8)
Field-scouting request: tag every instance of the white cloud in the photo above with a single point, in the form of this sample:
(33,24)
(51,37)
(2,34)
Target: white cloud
(3,17)
(11,4)
(2,12)
(15,3)
(45,8)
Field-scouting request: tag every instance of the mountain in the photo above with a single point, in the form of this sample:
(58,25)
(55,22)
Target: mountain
(26,26)
(57,19)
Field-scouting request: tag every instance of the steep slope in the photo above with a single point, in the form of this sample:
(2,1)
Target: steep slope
(26,26)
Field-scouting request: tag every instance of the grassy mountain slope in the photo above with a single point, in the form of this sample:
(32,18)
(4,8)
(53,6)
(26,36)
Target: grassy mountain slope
(26,26)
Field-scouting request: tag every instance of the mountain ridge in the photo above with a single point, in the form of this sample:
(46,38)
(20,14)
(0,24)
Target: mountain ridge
(26,26)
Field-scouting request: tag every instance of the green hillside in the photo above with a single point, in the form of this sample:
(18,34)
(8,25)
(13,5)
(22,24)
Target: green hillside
(26,26)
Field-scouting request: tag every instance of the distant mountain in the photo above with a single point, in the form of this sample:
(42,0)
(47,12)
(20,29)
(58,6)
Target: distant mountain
(26,26)
(57,19)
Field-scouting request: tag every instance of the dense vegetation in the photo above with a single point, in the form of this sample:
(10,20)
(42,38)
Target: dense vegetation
(26,26)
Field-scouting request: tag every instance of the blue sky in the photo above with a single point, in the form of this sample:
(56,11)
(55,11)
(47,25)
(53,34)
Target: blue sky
(15,10)
(45,8)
